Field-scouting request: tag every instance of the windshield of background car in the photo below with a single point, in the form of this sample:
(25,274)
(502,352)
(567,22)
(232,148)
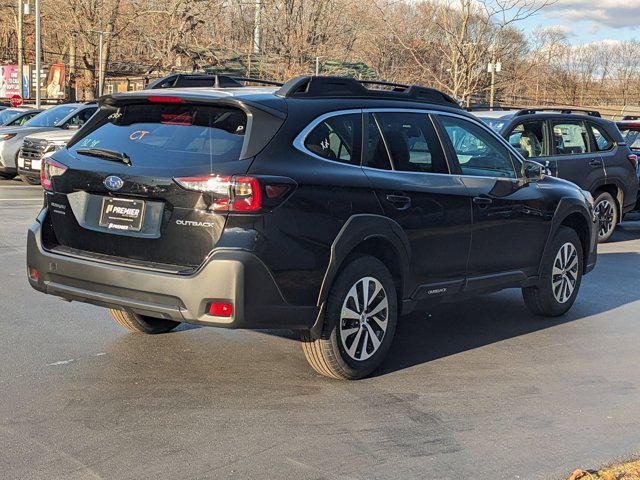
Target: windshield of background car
(51,117)
(631,135)
(170,134)
(7,114)
(496,124)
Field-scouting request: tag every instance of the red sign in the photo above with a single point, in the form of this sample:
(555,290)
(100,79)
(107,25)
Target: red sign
(16,100)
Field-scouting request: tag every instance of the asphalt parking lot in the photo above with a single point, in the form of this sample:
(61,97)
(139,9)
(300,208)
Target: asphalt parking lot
(479,389)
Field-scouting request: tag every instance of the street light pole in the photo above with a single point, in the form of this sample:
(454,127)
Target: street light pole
(38,53)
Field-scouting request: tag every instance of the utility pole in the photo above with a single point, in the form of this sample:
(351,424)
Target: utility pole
(38,53)
(101,65)
(256,27)
(20,48)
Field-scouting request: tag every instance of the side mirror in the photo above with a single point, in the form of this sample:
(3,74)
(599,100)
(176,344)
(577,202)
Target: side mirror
(532,170)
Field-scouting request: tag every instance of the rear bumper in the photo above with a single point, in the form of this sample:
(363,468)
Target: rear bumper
(229,275)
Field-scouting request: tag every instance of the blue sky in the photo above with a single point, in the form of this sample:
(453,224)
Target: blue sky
(591,20)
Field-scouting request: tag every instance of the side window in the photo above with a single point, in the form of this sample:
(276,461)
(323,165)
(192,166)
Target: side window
(603,141)
(376,154)
(81,117)
(570,138)
(411,141)
(337,138)
(529,137)
(478,152)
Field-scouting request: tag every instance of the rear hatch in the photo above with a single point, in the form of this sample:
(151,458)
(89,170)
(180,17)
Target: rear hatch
(147,181)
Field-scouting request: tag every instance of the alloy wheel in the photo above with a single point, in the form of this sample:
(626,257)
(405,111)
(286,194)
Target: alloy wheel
(363,318)
(604,213)
(564,276)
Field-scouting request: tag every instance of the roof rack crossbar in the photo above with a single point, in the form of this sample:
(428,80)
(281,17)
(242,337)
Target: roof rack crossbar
(566,110)
(331,86)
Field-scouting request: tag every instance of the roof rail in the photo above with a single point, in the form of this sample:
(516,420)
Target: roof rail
(566,110)
(205,80)
(332,86)
(258,80)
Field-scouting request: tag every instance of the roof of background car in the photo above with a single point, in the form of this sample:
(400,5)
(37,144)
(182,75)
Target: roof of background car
(497,114)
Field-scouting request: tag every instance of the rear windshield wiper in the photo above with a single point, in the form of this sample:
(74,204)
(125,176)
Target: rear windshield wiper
(106,154)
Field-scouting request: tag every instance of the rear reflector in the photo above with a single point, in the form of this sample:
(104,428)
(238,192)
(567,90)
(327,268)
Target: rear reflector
(221,309)
(633,158)
(33,274)
(163,99)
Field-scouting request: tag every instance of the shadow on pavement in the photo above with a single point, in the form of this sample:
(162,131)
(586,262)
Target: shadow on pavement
(451,328)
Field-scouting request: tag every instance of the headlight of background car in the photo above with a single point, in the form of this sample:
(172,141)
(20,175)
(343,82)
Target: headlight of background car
(52,148)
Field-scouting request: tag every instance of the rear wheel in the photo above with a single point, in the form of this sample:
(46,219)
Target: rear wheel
(142,323)
(606,211)
(562,269)
(30,180)
(360,321)
(7,176)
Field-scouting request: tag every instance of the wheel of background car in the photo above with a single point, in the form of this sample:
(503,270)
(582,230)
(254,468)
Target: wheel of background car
(606,212)
(7,176)
(561,275)
(142,323)
(359,324)
(30,180)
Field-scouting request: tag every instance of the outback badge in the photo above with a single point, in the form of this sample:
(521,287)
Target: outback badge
(113,183)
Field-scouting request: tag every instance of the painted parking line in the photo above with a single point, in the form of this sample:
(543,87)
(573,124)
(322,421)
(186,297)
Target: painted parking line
(20,199)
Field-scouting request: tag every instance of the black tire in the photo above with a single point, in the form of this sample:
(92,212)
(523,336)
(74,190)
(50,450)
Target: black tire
(328,355)
(7,176)
(142,323)
(606,209)
(29,180)
(543,298)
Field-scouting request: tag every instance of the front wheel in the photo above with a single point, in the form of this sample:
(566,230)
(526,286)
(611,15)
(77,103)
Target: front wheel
(360,321)
(142,323)
(606,211)
(562,268)
(6,176)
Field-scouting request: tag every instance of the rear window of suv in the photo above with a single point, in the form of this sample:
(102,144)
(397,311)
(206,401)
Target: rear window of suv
(183,134)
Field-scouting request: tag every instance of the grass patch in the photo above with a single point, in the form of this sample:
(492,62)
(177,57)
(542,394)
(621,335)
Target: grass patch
(619,471)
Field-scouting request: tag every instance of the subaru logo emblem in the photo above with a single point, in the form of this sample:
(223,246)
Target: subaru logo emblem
(113,183)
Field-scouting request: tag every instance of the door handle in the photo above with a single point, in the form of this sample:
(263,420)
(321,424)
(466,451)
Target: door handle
(595,163)
(401,202)
(482,200)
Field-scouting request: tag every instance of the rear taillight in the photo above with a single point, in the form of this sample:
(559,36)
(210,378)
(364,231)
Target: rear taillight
(48,170)
(230,194)
(633,158)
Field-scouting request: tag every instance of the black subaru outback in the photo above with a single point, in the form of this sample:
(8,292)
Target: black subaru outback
(579,146)
(326,206)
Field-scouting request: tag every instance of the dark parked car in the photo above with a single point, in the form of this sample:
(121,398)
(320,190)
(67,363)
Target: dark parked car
(326,206)
(630,130)
(582,148)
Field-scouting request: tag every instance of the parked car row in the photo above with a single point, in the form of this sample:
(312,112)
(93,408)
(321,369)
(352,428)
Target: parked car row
(23,146)
(325,205)
(580,146)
